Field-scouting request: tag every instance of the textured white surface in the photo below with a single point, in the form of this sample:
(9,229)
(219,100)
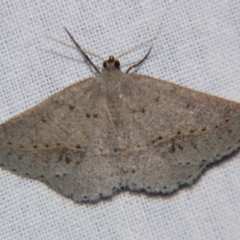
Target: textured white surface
(198,47)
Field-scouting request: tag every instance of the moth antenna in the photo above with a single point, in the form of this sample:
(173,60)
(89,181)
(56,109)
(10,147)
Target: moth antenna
(138,63)
(74,47)
(81,51)
(139,45)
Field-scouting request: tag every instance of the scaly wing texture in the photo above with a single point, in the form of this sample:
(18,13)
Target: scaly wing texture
(175,133)
(67,142)
(145,134)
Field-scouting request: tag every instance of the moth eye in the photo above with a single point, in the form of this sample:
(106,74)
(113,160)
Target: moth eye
(117,64)
(104,64)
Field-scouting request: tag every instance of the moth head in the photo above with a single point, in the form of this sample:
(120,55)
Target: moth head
(111,64)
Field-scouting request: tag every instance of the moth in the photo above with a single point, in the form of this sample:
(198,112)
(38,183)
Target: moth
(119,130)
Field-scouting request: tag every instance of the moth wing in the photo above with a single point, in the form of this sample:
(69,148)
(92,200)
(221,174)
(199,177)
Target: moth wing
(174,132)
(65,142)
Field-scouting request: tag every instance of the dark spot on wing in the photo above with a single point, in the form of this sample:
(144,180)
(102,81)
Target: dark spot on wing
(9,153)
(172,148)
(179,146)
(68,159)
(64,157)
(70,195)
(159,138)
(44,119)
(71,107)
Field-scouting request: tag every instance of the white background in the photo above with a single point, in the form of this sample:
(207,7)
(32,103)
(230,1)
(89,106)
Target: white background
(198,46)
